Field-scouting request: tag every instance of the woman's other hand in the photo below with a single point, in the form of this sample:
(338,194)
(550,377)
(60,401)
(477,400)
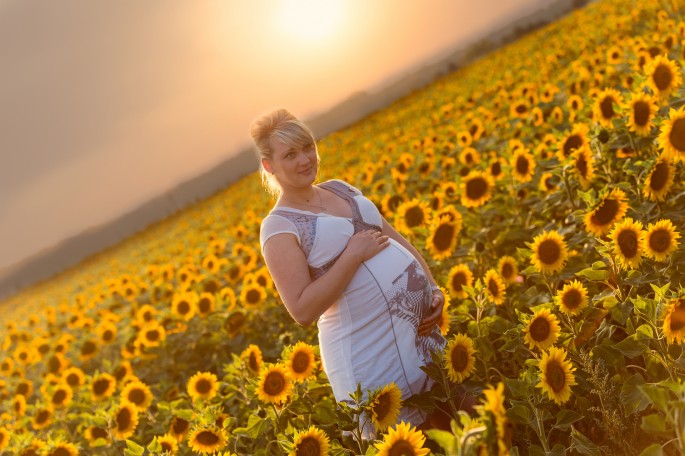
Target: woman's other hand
(366,244)
(430,320)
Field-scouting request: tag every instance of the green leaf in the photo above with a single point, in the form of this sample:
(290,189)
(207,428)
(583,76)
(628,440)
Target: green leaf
(519,414)
(631,347)
(653,450)
(583,445)
(518,388)
(567,417)
(632,398)
(446,440)
(654,423)
(657,395)
(660,292)
(595,275)
(557,450)
(186,414)
(133,449)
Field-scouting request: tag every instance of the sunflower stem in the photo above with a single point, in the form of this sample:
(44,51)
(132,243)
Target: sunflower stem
(540,430)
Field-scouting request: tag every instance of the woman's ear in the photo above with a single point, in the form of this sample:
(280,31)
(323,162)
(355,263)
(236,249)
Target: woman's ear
(266,166)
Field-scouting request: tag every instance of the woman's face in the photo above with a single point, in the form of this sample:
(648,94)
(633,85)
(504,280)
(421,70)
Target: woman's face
(293,166)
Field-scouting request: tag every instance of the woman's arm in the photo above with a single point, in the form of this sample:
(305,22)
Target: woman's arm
(307,299)
(428,321)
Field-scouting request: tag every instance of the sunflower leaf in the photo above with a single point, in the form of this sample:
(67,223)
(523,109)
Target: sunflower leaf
(583,445)
(652,450)
(567,417)
(596,275)
(631,347)
(632,398)
(654,423)
(133,449)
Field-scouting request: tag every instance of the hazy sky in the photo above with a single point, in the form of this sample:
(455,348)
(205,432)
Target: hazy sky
(105,104)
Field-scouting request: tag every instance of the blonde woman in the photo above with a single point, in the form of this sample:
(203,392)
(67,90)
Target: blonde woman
(336,261)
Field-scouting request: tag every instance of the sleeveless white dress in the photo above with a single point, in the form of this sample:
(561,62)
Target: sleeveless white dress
(369,335)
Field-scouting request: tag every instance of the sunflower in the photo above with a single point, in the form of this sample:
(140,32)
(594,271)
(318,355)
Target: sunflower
(583,165)
(606,107)
(469,156)
(107,332)
(522,165)
(151,334)
(541,330)
(63,449)
(93,433)
(572,141)
(459,275)
(203,385)
(507,269)
(661,239)
(572,299)
(235,322)
(494,403)
(642,111)
(228,298)
(42,418)
(663,76)
(672,134)
(18,405)
(556,375)
(301,362)
(6,366)
(252,357)
(674,321)
(61,396)
(207,440)
(629,243)
(137,393)
(178,427)
(410,215)
(476,189)
(124,420)
(495,289)
(659,181)
(102,386)
(549,252)
(391,201)
(275,384)
(4,438)
(442,238)
(610,210)
(123,371)
(206,304)
(310,442)
(496,168)
(384,406)
(184,304)
(402,440)
(252,295)
(168,442)
(24,387)
(459,358)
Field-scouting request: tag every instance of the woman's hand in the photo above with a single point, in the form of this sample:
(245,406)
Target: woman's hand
(430,320)
(366,244)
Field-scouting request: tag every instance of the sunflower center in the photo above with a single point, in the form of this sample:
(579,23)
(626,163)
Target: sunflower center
(59,396)
(540,329)
(203,386)
(459,358)
(662,77)
(73,379)
(274,384)
(100,386)
(108,335)
(382,406)
(183,307)
(607,107)
(42,416)
(137,396)
(443,236)
(606,212)
(677,135)
(252,362)
(458,281)
(208,438)
(308,446)
(54,364)
(659,176)
(660,240)
(628,243)
(98,433)
(179,425)
(414,216)
(496,168)
(393,202)
(581,165)
(555,375)
(123,418)
(521,108)
(678,316)
(88,348)
(507,270)
(204,305)
(641,113)
(253,296)
(300,362)
(572,299)
(522,165)
(549,251)
(60,452)
(401,448)
(476,188)
(573,142)
(493,288)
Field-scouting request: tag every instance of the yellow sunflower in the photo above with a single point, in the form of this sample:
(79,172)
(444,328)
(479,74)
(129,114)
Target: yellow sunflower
(252,295)
(61,396)
(496,168)
(583,165)
(107,332)
(402,439)
(206,304)
(507,269)
(252,357)
(549,183)
(459,275)
(184,304)
(203,385)
(610,210)
(541,330)
(575,139)
(4,438)
(178,427)
(42,418)
(274,384)
(410,215)
(674,321)
(476,189)
(556,375)
(628,240)
(549,252)
(137,393)
(18,405)
(663,76)
(661,239)
(93,433)
(151,334)
(607,106)
(522,165)
(124,420)
(672,134)
(168,442)
(102,386)
(494,403)
(442,237)
(642,110)
(207,440)
(495,290)
(301,362)
(459,358)
(24,387)
(62,449)
(310,442)
(659,180)
(469,156)
(384,406)
(572,299)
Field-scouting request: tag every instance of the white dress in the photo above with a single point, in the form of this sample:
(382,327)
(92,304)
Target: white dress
(369,335)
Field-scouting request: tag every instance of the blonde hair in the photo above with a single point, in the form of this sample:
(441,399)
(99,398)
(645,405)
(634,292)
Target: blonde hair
(287,129)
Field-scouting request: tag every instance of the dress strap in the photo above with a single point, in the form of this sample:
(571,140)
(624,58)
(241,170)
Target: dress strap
(347,193)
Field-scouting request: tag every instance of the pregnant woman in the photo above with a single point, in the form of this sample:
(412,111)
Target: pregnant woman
(336,261)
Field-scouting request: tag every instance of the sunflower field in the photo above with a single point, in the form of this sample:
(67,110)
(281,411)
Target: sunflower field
(543,184)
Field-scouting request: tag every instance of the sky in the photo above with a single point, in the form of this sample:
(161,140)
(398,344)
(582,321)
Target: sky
(106,104)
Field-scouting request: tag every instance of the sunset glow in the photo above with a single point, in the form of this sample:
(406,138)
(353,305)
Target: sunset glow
(311,19)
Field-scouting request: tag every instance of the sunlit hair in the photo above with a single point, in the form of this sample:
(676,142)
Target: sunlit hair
(286,129)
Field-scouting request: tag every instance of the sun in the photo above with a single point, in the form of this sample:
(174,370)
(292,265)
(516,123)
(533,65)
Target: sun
(310,19)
